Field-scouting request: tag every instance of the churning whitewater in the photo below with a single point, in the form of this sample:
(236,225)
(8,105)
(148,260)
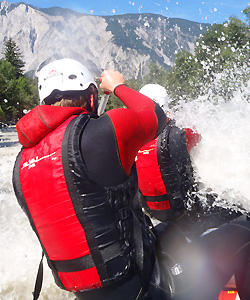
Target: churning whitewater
(221,162)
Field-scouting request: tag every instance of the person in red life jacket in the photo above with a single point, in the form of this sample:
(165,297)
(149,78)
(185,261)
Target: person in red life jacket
(200,268)
(75,178)
(166,177)
(164,166)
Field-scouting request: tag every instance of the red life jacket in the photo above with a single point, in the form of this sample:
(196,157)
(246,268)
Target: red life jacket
(149,175)
(165,173)
(87,232)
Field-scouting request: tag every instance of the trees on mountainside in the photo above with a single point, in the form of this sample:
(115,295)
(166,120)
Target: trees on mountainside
(220,63)
(17,91)
(13,55)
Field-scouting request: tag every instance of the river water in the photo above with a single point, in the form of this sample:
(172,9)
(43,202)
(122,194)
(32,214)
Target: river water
(221,161)
(20,250)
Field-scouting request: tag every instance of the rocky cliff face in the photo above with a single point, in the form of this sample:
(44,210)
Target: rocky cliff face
(127,42)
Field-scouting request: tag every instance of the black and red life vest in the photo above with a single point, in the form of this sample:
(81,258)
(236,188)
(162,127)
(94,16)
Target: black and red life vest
(165,173)
(91,235)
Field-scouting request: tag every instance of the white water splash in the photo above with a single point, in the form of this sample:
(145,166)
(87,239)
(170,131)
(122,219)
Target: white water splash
(222,158)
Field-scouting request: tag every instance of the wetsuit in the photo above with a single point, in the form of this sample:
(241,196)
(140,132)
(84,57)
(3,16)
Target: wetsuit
(76,182)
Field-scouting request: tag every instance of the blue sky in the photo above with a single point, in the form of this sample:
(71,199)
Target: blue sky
(205,11)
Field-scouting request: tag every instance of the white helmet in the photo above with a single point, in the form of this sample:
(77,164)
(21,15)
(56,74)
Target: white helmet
(62,75)
(157,93)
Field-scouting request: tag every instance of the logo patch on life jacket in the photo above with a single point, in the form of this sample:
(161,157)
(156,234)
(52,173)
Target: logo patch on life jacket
(176,269)
(33,161)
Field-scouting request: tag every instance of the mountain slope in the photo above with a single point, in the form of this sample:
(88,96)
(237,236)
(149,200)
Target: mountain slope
(127,42)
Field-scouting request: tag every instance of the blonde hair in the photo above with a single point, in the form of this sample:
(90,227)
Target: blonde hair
(71,103)
(77,98)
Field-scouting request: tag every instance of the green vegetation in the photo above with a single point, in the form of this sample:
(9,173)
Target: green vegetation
(219,55)
(219,66)
(17,91)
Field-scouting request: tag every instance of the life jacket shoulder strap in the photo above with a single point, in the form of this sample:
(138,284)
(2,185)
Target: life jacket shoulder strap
(175,164)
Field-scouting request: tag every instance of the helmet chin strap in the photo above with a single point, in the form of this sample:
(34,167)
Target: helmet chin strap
(92,105)
(88,107)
